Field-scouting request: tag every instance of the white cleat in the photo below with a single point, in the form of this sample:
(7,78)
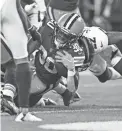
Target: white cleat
(27,117)
(19,118)
(30,117)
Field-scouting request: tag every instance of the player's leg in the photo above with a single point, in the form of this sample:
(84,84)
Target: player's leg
(9,89)
(61,89)
(10,85)
(39,89)
(13,28)
(101,70)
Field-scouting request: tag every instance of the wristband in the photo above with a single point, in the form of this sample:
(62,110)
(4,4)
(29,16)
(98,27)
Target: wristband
(71,73)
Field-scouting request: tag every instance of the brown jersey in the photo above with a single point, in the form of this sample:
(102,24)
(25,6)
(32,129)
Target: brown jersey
(47,69)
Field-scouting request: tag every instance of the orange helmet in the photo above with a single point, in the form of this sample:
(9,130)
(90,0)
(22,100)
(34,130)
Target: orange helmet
(69,27)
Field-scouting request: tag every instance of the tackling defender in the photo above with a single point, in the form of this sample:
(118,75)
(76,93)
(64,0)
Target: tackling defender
(103,41)
(99,40)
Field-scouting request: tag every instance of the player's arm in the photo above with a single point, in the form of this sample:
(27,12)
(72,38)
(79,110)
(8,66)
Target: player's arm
(72,75)
(35,40)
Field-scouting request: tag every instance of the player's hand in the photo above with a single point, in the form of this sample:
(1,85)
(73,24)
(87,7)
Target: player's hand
(66,59)
(29,8)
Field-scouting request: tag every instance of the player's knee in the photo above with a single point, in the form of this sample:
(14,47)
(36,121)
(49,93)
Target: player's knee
(105,76)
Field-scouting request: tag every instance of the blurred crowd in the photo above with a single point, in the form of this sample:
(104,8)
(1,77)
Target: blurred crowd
(104,13)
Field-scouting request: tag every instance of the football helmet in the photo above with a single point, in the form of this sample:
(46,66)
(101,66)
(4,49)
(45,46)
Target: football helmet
(68,28)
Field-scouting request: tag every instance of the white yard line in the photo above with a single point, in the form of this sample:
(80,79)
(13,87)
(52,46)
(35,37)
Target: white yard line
(77,110)
(85,126)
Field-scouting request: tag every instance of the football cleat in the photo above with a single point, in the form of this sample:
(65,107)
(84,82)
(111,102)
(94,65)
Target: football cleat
(27,117)
(67,97)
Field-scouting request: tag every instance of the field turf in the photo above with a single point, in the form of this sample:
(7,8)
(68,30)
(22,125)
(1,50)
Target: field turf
(100,109)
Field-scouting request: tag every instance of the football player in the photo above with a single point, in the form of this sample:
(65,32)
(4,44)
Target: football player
(99,40)
(14,30)
(47,70)
(56,9)
(102,42)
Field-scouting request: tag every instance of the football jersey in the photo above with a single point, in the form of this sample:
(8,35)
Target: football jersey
(66,5)
(45,57)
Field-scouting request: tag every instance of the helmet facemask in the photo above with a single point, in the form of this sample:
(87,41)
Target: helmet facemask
(63,38)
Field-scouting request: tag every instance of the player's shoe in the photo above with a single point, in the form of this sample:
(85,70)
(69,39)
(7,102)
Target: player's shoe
(7,105)
(67,97)
(27,117)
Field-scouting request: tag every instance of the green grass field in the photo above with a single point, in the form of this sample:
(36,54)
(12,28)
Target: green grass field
(100,109)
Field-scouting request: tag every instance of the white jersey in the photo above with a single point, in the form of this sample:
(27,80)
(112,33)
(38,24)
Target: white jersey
(98,37)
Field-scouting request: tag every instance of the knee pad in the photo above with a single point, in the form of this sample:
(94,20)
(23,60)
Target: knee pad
(105,76)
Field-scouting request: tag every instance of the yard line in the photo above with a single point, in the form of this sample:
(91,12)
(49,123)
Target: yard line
(77,110)
(85,126)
